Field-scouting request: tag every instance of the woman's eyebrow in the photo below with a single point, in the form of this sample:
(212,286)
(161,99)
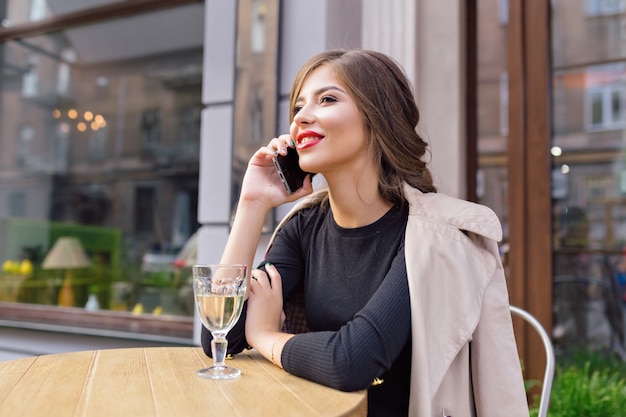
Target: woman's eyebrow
(322,90)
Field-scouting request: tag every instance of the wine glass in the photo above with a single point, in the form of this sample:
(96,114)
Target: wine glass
(219,290)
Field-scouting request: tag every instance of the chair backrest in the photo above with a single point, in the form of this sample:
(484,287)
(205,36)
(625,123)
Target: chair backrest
(546,387)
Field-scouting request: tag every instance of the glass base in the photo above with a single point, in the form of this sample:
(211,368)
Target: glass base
(219,372)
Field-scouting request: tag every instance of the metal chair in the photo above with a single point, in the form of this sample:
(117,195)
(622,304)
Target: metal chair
(546,388)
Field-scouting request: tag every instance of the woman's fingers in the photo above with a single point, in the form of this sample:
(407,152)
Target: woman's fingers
(258,279)
(280,144)
(275,278)
(269,279)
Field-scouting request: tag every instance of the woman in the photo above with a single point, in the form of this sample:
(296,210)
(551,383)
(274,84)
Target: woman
(395,279)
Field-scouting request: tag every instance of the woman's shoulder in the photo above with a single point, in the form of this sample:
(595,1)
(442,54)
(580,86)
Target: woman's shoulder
(304,210)
(462,214)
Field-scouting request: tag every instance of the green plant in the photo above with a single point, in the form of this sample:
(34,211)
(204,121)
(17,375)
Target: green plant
(588,385)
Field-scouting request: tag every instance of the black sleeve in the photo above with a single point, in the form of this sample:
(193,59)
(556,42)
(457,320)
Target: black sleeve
(361,350)
(236,336)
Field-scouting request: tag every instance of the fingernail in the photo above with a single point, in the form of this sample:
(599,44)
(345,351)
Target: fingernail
(292,143)
(275,152)
(268,264)
(283,149)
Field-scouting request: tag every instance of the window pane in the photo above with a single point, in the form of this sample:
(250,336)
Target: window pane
(584,31)
(617,104)
(99,140)
(589,194)
(597,109)
(493,109)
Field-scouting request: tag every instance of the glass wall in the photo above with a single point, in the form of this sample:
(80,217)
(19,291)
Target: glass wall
(492,114)
(589,173)
(99,141)
(588,148)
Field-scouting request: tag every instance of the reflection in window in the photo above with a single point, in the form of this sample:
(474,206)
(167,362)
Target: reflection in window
(504,12)
(92,130)
(26,138)
(493,107)
(606,93)
(30,78)
(256,116)
(151,126)
(145,204)
(606,104)
(617,100)
(189,128)
(257,33)
(97,145)
(605,7)
(504,104)
(58,147)
(37,10)
(256,89)
(17,204)
(65,71)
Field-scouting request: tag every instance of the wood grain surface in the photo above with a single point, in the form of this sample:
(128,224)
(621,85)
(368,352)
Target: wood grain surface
(161,382)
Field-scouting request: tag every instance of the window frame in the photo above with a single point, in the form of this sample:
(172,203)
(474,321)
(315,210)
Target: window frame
(605,91)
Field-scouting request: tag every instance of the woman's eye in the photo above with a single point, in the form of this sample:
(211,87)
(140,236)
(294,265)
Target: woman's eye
(328,99)
(296,109)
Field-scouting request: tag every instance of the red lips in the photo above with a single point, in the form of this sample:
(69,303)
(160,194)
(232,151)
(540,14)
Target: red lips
(308,138)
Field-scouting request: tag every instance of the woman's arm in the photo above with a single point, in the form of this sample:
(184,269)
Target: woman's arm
(261,190)
(347,359)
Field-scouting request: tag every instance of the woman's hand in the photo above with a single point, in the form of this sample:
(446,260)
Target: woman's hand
(265,305)
(265,316)
(261,183)
(261,190)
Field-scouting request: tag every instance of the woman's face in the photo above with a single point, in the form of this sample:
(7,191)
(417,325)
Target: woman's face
(327,127)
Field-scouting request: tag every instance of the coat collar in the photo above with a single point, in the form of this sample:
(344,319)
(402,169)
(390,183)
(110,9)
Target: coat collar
(461,214)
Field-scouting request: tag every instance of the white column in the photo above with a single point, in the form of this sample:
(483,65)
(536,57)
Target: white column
(441,90)
(389,27)
(426,38)
(216,140)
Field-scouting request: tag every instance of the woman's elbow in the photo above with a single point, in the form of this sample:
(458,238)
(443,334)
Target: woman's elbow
(349,380)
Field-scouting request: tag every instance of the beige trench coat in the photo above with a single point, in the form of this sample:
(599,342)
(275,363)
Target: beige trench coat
(458,295)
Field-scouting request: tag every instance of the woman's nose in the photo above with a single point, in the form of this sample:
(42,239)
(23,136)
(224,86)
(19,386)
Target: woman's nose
(304,116)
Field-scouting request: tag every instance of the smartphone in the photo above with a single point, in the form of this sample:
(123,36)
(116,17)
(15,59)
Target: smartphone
(289,170)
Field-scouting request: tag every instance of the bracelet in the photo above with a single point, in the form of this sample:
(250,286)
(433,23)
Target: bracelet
(273,346)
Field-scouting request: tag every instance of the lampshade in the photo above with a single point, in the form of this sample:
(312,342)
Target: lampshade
(66,253)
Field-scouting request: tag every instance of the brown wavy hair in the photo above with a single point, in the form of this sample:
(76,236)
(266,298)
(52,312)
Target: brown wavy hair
(384,96)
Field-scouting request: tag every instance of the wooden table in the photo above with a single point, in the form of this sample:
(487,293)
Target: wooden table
(161,382)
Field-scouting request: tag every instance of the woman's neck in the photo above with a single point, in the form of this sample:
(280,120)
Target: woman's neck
(356,204)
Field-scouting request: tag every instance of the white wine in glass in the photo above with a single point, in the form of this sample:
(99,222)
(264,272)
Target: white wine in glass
(219,290)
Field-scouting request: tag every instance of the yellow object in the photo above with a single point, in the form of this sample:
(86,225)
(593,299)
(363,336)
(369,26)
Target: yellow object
(66,295)
(138,309)
(26,267)
(10,267)
(66,292)
(66,253)
(157,311)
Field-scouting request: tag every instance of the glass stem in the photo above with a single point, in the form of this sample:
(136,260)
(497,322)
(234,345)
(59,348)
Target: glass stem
(218,349)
